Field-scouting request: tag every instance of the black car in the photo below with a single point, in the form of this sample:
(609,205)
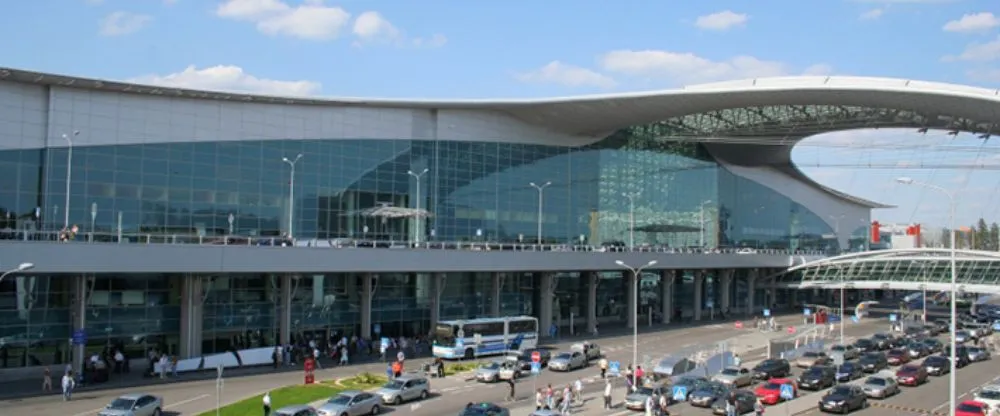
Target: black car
(484,409)
(931,330)
(918,349)
(872,362)
(843,399)
(937,365)
(848,371)
(745,401)
(818,377)
(914,332)
(865,345)
(942,326)
(933,344)
(883,341)
(772,368)
(961,355)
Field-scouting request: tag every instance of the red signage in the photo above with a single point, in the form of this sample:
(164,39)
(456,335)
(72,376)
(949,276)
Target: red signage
(536,357)
(739,325)
(876,232)
(310,368)
(791,330)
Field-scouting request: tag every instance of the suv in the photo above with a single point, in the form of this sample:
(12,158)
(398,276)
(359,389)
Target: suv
(404,389)
(772,368)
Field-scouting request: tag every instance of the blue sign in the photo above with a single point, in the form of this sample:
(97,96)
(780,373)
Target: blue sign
(615,368)
(767,312)
(680,393)
(787,392)
(893,317)
(536,368)
(79,337)
(807,311)
(385,344)
(377,329)
(855,319)
(833,319)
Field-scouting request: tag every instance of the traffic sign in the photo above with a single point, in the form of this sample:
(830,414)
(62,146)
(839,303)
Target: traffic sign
(536,367)
(893,317)
(787,392)
(79,337)
(384,344)
(739,325)
(807,311)
(615,367)
(536,357)
(680,393)
(767,312)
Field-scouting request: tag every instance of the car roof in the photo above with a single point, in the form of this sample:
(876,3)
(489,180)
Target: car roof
(132,396)
(405,377)
(350,393)
(991,387)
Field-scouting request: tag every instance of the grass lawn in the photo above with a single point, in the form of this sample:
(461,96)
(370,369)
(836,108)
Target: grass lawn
(297,394)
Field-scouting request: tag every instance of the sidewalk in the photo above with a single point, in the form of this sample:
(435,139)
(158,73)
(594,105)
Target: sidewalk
(19,389)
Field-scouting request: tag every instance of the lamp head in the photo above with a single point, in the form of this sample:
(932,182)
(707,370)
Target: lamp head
(548,183)
(285,159)
(619,262)
(905,180)
(25,266)
(651,263)
(532,184)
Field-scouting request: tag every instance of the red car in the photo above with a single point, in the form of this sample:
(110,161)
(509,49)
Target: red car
(971,408)
(911,375)
(897,356)
(770,392)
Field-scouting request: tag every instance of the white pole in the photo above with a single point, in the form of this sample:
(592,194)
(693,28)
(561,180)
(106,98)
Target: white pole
(291,193)
(419,231)
(541,191)
(635,313)
(69,174)
(842,314)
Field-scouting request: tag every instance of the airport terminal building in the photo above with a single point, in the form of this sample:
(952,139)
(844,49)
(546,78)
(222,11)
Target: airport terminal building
(207,220)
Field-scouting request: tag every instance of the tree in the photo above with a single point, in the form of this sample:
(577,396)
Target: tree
(982,240)
(994,237)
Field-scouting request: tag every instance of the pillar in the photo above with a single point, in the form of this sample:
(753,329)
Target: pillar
(285,309)
(631,285)
(751,290)
(546,287)
(438,282)
(367,291)
(726,287)
(699,289)
(793,297)
(593,278)
(667,281)
(192,315)
(497,291)
(81,289)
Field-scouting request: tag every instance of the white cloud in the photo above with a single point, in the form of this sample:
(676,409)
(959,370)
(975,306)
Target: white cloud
(977,22)
(123,23)
(723,20)
(434,41)
(229,78)
(686,67)
(371,26)
(989,51)
(818,69)
(556,72)
(312,19)
(872,14)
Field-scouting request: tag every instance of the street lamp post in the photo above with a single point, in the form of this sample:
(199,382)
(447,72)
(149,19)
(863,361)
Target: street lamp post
(541,192)
(291,193)
(20,268)
(635,312)
(69,173)
(836,230)
(954,281)
(419,231)
(631,219)
(701,222)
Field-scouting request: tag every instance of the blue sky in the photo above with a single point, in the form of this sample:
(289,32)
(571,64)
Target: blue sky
(517,48)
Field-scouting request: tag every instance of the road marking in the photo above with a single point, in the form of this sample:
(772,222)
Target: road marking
(959,398)
(182,402)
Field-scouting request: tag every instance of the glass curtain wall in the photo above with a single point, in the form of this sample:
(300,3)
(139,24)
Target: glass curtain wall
(35,320)
(240,312)
(134,312)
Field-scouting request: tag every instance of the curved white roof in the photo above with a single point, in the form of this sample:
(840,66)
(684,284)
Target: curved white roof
(916,104)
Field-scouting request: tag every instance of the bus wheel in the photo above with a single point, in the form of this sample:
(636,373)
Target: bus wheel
(469,355)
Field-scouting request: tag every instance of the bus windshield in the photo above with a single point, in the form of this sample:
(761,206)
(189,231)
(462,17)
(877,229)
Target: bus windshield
(444,335)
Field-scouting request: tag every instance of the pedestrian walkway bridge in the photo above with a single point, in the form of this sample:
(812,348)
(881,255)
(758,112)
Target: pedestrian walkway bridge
(898,269)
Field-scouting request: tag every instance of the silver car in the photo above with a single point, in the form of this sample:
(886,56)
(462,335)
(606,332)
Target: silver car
(880,386)
(568,361)
(404,389)
(734,376)
(637,399)
(977,354)
(590,349)
(489,373)
(351,403)
(296,410)
(811,358)
(137,404)
(848,352)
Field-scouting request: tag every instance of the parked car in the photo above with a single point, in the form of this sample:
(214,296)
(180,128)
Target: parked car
(864,345)
(772,368)
(911,375)
(135,404)
(849,371)
(544,356)
(933,344)
(962,336)
(818,377)
(990,395)
(637,399)
(295,410)
(707,394)
(591,350)
(489,409)
(873,362)
(883,341)
(942,326)
(351,403)
(770,392)
(734,376)
(404,389)
(880,386)
(745,401)
(568,361)
(937,365)
(690,384)
(918,349)
(844,399)
(971,408)
(961,355)
(811,358)
(848,352)
(977,354)
(898,356)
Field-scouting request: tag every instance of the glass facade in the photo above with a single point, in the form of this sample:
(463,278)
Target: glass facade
(473,190)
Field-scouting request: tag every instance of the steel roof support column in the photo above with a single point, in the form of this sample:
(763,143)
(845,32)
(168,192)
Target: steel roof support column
(725,287)
(546,286)
(592,278)
(438,282)
(367,293)
(285,310)
(667,281)
(699,293)
(497,281)
(752,290)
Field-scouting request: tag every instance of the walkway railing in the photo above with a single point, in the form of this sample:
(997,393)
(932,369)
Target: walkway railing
(350,243)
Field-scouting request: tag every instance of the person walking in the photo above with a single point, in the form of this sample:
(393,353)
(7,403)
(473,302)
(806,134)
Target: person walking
(46,380)
(539,400)
(267,403)
(607,394)
(664,402)
(737,361)
(343,355)
(578,391)
(731,404)
(67,386)
(603,364)
(510,392)
(567,401)
(650,405)
(758,407)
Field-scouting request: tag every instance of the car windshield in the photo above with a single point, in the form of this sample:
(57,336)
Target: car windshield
(768,363)
(814,371)
(969,407)
(875,381)
(880,336)
(393,385)
(846,368)
(908,370)
(731,372)
(645,391)
(811,354)
(121,404)
(872,356)
(841,390)
(896,352)
(773,386)
(863,342)
(973,350)
(341,399)
(989,394)
(838,348)
(564,356)
(935,360)
(966,333)
(491,366)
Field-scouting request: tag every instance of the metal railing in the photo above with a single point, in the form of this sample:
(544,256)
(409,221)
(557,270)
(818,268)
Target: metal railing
(351,243)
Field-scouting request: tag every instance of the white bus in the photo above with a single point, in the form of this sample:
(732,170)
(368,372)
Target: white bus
(458,339)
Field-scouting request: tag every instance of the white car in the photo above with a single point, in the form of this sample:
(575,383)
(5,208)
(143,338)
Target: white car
(590,349)
(989,395)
